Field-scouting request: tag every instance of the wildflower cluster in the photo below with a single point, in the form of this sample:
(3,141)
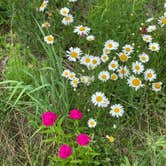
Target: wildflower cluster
(67,17)
(136,74)
(65,150)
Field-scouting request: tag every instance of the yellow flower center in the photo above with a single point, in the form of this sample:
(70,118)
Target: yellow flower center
(50,38)
(64,12)
(67,18)
(106,51)
(104,57)
(164,20)
(123,71)
(66,73)
(71,76)
(90,38)
(123,57)
(143,58)
(157,85)
(116,110)
(104,76)
(136,82)
(82,28)
(110,45)
(128,49)
(94,61)
(113,76)
(137,67)
(113,65)
(74,54)
(87,60)
(92,123)
(149,75)
(99,98)
(111,139)
(43,5)
(147,38)
(75,82)
(153,47)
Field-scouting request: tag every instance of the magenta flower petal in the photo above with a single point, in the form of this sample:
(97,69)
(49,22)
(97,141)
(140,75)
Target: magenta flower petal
(49,118)
(65,151)
(75,114)
(83,139)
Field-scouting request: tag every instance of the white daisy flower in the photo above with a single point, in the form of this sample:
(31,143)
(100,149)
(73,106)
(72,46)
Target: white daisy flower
(87,80)
(86,60)
(84,79)
(95,62)
(105,102)
(156,86)
(144,57)
(67,20)
(123,72)
(106,51)
(137,67)
(104,58)
(114,76)
(49,39)
(66,73)
(74,83)
(111,45)
(165,5)
(90,80)
(134,82)
(149,19)
(46,25)
(151,28)
(64,11)
(162,20)
(128,49)
(82,30)
(72,76)
(154,47)
(43,6)
(147,38)
(99,99)
(90,38)
(74,53)
(117,110)
(149,75)
(124,56)
(104,76)
(92,123)
(113,65)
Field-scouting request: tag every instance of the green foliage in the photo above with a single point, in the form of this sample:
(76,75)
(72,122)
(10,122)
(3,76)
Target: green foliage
(60,134)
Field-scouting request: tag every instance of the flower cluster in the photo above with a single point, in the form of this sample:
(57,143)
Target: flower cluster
(137,75)
(67,17)
(74,81)
(65,150)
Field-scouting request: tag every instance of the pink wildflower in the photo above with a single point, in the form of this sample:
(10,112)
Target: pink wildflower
(49,118)
(65,151)
(83,139)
